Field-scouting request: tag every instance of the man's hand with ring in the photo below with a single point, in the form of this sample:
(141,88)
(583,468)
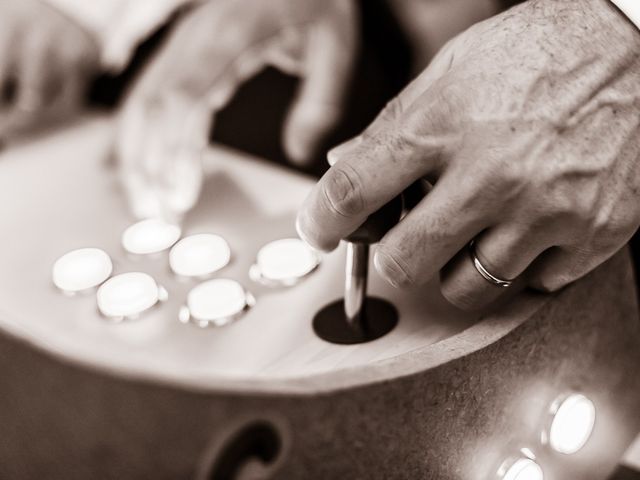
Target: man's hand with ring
(166,120)
(527,126)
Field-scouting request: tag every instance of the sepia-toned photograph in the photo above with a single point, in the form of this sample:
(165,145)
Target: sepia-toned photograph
(319,240)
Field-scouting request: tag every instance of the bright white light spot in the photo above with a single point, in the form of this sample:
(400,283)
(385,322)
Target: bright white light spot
(284,262)
(128,295)
(572,424)
(199,255)
(81,269)
(217,302)
(150,236)
(524,469)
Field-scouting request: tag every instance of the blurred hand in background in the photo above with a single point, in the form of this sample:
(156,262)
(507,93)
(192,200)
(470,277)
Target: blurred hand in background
(166,120)
(46,62)
(429,24)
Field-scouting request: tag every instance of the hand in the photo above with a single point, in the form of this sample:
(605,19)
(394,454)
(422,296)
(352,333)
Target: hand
(166,120)
(527,124)
(45,60)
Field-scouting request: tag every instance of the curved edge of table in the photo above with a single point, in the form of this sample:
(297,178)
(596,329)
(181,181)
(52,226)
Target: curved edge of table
(487,331)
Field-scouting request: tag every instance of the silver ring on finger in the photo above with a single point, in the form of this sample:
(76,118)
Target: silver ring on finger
(486,274)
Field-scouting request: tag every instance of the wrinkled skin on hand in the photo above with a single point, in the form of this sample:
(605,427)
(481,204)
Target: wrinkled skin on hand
(46,59)
(527,125)
(166,119)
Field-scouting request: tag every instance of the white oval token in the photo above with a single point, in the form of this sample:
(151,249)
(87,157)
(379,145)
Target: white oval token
(216,302)
(150,236)
(129,294)
(572,425)
(524,469)
(81,269)
(284,262)
(199,255)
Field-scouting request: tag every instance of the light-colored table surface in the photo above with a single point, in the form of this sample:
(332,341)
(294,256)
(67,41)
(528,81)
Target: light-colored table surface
(58,194)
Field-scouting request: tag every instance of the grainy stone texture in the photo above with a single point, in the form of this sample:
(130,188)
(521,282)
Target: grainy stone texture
(453,422)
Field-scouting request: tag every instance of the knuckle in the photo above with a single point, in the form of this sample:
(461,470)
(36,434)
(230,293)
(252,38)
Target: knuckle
(399,145)
(550,283)
(514,176)
(452,100)
(395,144)
(343,191)
(460,297)
(391,265)
(392,110)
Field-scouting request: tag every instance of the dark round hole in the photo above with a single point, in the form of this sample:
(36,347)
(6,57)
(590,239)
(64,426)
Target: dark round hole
(330,323)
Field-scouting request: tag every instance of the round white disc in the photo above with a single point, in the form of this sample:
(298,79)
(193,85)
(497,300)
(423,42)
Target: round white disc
(81,269)
(150,236)
(217,301)
(286,260)
(524,469)
(199,255)
(572,424)
(127,295)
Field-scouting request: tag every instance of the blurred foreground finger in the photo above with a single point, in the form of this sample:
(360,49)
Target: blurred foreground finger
(328,66)
(159,146)
(33,76)
(6,55)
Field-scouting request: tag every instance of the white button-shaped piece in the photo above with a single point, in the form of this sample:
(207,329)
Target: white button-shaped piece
(150,236)
(572,424)
(284,262)
(128,295)
(524,469)
(199,255)
(81,269)
(215,302)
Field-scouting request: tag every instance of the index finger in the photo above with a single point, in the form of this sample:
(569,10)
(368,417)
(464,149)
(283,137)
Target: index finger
(399,147)
(382,164)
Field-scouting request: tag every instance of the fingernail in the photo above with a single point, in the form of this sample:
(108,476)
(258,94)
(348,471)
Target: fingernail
(301,233)
(335,153)
(307,239)
(388,269)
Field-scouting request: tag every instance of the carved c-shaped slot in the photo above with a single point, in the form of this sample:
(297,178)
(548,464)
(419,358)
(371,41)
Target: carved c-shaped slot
(252,451)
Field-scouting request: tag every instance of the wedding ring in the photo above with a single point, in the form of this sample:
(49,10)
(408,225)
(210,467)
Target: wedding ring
(488,276)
